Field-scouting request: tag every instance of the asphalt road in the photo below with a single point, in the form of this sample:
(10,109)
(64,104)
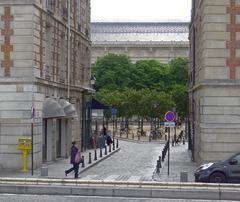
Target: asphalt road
(51,198)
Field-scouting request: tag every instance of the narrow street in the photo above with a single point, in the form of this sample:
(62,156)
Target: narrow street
(134,160)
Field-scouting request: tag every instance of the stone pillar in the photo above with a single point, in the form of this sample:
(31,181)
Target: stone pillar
(68,135)
(49,140)
(63,139)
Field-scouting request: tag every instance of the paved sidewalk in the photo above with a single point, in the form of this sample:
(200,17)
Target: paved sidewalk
(180,161)
(56,169)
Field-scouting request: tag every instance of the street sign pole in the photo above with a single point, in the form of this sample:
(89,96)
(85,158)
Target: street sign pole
(168,149)
(32,148)
(169,116)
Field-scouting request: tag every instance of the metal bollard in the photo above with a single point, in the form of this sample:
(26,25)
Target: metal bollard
(90,158)
(158,167)
(83,162)
(183,177)
(117,143)
(110,148)
(113,144)
(165,149)
(183,141)
(105,150)
(100,152)
(160,160)
(95,155)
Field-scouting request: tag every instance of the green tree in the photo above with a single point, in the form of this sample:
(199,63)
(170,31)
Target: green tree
(146,89)
(149,74)
(112,72)
(180,99)
(178,71)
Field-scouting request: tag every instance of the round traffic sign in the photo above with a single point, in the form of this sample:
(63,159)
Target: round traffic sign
(169,116)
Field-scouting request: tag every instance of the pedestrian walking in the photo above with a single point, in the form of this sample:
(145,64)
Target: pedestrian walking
(104,131)
(101,141)
(75,160)
(108,139)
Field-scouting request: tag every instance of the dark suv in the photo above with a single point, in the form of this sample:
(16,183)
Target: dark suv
(220,172)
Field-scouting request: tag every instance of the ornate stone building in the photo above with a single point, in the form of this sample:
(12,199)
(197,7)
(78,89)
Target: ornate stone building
(161,41)
(214,79)
(45,63)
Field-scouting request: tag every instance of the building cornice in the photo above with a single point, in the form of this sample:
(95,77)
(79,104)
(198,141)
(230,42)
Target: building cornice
(215,83)
(137,44)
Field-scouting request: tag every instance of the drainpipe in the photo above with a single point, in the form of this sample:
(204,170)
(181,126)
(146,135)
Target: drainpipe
(68,53)
(193,108)
(191,128)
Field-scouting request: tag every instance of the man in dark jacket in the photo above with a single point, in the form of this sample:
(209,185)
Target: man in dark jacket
(75,167)
(108,139)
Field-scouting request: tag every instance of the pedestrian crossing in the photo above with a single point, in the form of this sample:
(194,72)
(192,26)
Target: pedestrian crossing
(116,177)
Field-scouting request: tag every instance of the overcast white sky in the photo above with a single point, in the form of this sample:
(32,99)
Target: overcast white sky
(140,10)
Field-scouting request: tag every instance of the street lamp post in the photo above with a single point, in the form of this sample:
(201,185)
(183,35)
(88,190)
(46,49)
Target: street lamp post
(93,80)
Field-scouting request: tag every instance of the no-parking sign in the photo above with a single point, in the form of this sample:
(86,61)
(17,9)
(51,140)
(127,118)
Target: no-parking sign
(169,116)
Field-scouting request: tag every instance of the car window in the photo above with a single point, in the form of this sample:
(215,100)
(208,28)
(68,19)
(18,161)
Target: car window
(237,158)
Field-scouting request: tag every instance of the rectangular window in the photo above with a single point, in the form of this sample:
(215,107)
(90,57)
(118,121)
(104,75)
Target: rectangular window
(79,15)
(50,4)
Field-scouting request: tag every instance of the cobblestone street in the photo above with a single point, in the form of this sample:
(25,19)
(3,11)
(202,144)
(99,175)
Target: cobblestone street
(134,159)
(137,161)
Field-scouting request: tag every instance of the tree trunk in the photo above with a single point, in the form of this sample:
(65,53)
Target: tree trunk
(122,123)
(115,123)
(139,122)
(151,124)
(141,126)
(127,126)
(107,123)
(155,124)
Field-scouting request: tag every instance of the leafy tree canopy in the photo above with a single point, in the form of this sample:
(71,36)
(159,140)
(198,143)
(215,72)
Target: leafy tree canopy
(149,74)
(146,89)
(179,71)
(112,72)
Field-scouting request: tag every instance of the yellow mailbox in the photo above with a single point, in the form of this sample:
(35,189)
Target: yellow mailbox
(24,144)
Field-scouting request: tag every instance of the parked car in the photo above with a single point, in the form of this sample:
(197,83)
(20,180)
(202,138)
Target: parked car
(227,171)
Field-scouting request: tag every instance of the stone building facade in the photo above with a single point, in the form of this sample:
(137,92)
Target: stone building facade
(214,79)
(161,41)
(37,70)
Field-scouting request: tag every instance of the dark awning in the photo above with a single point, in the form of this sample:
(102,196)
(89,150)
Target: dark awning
(68,108)
(52,109)
(98,105)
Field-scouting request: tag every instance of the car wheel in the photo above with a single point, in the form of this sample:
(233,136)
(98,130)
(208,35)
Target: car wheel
(217,178)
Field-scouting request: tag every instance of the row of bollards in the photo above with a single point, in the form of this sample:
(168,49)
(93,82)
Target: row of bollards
(162,158)
(159,164)
(164,151)
(110,148)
